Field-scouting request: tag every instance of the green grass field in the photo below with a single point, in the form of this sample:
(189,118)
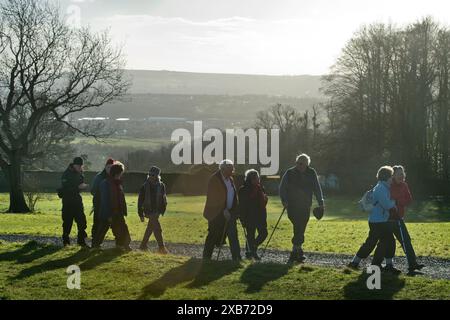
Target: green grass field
(35,271)
(342,230)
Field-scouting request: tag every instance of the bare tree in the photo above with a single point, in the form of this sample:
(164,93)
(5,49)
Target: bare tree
(48,71)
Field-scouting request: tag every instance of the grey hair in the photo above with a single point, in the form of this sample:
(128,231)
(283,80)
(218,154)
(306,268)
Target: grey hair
(224,163)
(384,173)
(398,167)
(250,173)
(303,156)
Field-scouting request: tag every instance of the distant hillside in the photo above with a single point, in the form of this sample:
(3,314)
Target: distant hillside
(171,82)
(198,107)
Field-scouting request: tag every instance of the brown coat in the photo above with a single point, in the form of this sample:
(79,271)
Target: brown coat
(216,197)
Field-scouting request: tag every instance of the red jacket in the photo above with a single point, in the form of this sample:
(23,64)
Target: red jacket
(401,195)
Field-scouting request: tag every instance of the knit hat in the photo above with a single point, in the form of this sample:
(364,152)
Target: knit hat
(78,161)
(109,161)
(154,171)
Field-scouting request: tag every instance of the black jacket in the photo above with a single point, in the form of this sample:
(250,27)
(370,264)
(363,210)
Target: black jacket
(70,181)
(297,188)
(251,211)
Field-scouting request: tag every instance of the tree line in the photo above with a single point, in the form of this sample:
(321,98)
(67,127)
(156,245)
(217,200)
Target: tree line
(389,100)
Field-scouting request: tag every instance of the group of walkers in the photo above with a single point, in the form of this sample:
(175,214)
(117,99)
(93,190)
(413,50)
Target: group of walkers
(109,205)
(226,207)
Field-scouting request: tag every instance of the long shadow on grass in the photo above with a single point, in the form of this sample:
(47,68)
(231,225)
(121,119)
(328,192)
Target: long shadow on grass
(357,290)
(197,272)
(84,258)
(257,275)
(29,252)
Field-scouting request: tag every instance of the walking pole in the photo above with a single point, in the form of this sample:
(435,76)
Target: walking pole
(222,238)
(245,235)
(273,231)
(403,239)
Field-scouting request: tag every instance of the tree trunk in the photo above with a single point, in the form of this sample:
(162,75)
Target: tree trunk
(13,173)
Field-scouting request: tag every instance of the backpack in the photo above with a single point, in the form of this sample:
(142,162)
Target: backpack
(367,202)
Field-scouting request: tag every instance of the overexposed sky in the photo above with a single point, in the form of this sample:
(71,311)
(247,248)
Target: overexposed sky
(243,36)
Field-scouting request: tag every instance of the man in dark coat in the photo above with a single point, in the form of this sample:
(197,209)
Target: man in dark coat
(297,188)
(152,203)
(221,211)
(95,191)
(72,182)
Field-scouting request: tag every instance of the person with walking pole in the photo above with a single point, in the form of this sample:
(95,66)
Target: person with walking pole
(297,188)
(221,211)
(401,194)
(380,237)
(253,214)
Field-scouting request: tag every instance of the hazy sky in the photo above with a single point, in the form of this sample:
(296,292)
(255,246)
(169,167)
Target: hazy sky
(244,36)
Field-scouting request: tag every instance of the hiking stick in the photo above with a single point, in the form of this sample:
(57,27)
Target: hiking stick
(245,235)
(222,238)
(273,231)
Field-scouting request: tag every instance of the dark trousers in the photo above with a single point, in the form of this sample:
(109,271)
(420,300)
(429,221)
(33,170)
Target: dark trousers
(95,221)
(154,227)
(216,237)
(119,229)
(380,236)
(253,241)
(402,235)
(299,218)
(72,213)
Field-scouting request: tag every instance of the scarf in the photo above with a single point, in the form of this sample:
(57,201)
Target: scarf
(117,197)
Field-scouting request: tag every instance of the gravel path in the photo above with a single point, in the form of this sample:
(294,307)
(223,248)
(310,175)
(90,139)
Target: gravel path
(436,268)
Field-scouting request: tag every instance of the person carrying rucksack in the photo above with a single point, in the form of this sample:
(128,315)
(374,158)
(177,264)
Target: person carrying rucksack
(380,228)
(152,203)
(72,183)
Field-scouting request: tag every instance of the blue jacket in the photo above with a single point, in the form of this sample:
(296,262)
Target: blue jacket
(382,204)
(106,201)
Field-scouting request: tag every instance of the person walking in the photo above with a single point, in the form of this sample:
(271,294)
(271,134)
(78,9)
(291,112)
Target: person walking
(152,203)
(221,211)
(72,183)
(252,212)
(401,194)
(113,210)
(95,191)
(380,228)
(297,188)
